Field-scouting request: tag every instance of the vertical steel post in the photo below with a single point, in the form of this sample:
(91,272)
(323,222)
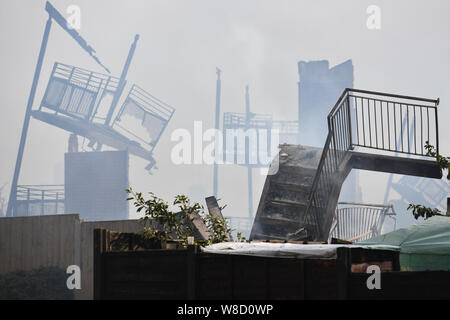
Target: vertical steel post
(250,194)
(437,126)
(42,202)
(28,201)
(120,86)
(217,123)
(122,81)
(247,151)
(26,122)
(56,202)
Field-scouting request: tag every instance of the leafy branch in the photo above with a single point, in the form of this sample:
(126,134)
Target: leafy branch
(420,211)
(241,238)
(163,224)
(443,162)
(218,228)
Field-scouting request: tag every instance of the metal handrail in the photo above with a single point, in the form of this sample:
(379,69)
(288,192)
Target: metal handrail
(349,215)
(377,93)
(315,201)
(39,199)
(362,204)
(340,138)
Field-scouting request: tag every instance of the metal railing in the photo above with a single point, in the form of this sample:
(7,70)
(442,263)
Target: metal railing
(150,114)
(39,200)
(401,124)
(77,92)
(234,120)
(287,130)
(359,221)
(369,120)
(323,185)
(287,127)
(240,224)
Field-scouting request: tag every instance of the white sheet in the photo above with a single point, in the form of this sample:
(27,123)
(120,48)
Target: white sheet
(285,250)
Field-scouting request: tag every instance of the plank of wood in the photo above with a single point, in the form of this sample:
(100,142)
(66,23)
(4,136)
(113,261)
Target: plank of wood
(214,210)
(198,223)
(360,236)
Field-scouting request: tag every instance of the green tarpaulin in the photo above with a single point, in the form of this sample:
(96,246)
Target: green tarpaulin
(423,246)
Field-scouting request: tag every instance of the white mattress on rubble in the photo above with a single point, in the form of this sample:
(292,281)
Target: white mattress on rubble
(285,250)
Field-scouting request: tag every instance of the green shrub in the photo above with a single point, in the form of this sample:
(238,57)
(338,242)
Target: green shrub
(163,224)
(47,283)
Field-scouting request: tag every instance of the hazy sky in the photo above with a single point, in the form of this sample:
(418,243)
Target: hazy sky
(255,42)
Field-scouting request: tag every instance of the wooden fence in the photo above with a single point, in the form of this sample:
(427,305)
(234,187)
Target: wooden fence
(191,274)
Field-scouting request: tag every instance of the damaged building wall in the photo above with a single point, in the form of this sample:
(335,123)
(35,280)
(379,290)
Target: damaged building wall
(319,88)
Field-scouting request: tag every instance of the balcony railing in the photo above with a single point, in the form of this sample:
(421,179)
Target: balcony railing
(143,117)
(368,120)
(77,92)
(39,200)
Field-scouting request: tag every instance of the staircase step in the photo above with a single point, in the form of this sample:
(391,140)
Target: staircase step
(274,228)
(285,196)
(288,211)
(289,203)
(286,185)
(279,218)
(294,196)
(294,175)
(265,237)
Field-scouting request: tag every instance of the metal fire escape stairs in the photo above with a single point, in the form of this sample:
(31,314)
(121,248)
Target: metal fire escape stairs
(366,130)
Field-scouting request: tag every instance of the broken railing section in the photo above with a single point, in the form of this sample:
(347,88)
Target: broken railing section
(81,100)
(366,120)
(359,221)
(148,115)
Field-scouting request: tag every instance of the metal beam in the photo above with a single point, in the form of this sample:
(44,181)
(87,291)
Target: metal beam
(122,81)
(73,33)
(55,15)
(217,123)
(397,165)
(26,122)
(247,150)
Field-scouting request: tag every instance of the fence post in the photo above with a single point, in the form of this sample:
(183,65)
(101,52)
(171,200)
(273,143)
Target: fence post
(343,268)
(56,202)
(28,201)
(42,202)
(448,207)
(98,250)
(191,254)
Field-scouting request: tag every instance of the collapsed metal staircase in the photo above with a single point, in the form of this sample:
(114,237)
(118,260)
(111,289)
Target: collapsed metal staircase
(299,201)
(285,195)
